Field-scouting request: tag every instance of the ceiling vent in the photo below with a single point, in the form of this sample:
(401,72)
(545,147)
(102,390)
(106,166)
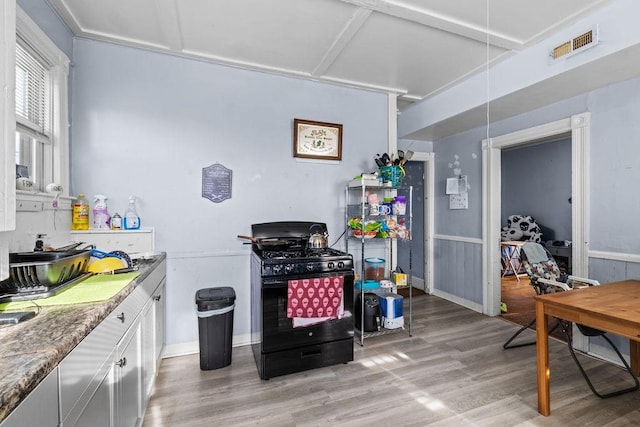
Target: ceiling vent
(577,44)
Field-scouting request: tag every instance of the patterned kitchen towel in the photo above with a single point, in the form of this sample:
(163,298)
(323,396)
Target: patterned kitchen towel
(96,288)
(315,297)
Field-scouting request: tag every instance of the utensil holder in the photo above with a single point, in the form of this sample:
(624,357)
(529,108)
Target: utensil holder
(392,174)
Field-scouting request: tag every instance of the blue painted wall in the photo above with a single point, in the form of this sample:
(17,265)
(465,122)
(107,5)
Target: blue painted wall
(146,123)
(615,148)
(536,181)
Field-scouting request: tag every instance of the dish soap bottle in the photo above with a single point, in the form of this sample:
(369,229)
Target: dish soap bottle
(131,218)
(101,217)
(80,216)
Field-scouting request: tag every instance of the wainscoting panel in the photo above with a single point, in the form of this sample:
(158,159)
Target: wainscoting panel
(610,269)
(458,267)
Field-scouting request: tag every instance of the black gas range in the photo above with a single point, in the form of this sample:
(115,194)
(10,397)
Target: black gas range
(282,342)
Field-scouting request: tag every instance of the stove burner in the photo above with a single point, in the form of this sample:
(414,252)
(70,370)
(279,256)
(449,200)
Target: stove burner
(282,254)
(301,253)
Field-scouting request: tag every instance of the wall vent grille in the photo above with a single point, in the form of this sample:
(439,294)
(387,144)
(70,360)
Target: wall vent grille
(585,40)
(562,50)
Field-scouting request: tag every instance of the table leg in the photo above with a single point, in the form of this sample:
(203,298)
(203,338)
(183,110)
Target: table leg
(634,355)
(504,259)
(513,268)
(542,350)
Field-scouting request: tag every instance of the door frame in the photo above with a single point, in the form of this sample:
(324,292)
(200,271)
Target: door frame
(579,128)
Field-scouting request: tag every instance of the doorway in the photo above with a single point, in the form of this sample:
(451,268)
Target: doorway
(536,182)
(420,175)
(579,128)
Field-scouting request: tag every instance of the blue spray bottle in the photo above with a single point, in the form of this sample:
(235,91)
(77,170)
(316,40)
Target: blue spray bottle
(131,218)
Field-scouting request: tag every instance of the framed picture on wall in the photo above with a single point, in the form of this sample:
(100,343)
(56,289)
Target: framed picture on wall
(317,140)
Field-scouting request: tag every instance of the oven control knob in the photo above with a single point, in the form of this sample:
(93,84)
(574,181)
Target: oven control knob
(288,268)
(276,269)
(309,267)
(331,266)
(340,264)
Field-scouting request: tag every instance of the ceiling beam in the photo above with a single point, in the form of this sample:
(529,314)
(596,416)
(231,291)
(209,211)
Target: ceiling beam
(440,22)
(167,12)
(342,40)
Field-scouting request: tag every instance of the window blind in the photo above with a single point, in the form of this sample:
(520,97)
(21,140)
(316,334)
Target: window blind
(32,90)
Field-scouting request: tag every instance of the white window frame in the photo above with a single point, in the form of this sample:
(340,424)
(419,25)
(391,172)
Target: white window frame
(59,73)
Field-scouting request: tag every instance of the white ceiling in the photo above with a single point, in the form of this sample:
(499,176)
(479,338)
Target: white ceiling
(415,48)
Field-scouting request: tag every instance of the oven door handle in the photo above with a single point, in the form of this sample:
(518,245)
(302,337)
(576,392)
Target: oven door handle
(311,353)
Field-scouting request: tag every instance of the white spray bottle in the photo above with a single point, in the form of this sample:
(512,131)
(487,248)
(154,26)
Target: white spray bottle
(101,217)
(131,218)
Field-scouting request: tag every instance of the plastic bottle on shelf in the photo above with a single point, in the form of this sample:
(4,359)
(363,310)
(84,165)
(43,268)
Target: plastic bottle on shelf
(400,205)
(116,222)
(80,214)
(131,218)
(101,217)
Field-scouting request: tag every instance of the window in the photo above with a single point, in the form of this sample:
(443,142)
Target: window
(41,140)
(33,129)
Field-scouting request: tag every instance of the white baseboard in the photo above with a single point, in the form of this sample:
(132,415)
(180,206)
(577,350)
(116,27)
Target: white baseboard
(418,283)
(460,301)
(193,347)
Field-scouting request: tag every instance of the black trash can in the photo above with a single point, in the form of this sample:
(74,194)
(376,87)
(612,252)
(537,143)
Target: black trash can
(215,326)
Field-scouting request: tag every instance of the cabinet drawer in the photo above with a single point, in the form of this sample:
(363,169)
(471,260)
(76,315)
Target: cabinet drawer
(559,250)
(142,240)
(153,280)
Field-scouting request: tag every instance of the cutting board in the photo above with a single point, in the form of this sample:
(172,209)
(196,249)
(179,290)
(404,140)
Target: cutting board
(97,288)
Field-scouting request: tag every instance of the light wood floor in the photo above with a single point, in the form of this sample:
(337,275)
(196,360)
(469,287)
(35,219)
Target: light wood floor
(452,372)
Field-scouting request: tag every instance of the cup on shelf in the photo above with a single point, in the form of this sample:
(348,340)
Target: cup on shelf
(384,209)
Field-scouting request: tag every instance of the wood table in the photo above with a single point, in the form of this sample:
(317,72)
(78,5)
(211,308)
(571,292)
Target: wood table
(612,307)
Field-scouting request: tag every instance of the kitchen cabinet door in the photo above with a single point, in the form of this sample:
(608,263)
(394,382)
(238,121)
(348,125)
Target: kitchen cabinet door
(7,130)
(148,348)
(129,377)
(152,338)
(160,303)
(39,408)
(100,410)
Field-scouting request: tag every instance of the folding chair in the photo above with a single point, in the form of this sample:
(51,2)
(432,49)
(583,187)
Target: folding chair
(546,277)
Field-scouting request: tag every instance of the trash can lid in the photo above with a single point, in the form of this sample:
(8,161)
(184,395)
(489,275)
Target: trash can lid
(215,298)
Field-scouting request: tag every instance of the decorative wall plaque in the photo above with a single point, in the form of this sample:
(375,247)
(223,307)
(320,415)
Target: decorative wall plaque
(216,183)
(317,140)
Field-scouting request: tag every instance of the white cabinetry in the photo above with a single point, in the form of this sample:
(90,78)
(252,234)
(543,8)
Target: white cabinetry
(153,336)
(377,230)
(39,408)
(7,129)
(129,377)
(99,410)
(107,378)
(130,241)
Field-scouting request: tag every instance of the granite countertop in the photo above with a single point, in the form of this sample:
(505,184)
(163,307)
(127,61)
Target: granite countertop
(30,350)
